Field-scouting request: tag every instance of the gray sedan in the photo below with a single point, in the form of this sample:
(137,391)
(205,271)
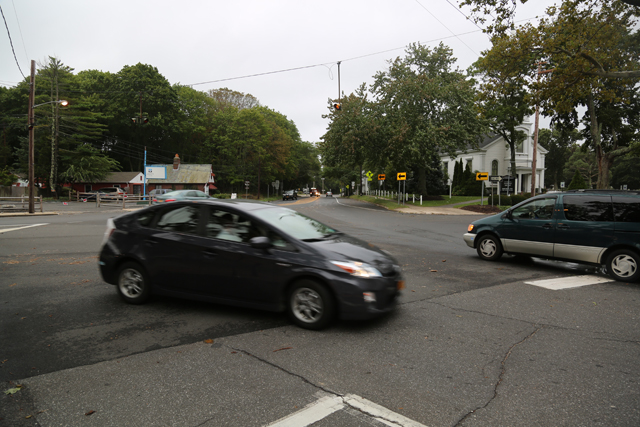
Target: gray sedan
(173,196)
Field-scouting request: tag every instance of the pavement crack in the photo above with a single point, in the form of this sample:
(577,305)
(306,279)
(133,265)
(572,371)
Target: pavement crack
(500,377)
(286,371)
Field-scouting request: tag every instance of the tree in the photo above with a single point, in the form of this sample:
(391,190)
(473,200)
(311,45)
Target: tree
(350,139)
(592,47)
(227,98)
(558,143)
(425,107)
(583,161)
(503,97)
(578,183)
(625,172)
(86,164)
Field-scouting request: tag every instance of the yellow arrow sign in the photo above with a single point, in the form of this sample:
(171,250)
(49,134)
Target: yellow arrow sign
(381,177)
(402,176)
(482,176)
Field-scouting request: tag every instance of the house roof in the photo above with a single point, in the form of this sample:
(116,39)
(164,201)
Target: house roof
(120,177)
(185,174)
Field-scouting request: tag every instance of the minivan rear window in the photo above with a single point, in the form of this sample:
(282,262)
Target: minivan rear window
(588,208)
(626,209)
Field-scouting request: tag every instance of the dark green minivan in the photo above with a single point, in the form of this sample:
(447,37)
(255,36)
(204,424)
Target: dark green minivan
(588,226)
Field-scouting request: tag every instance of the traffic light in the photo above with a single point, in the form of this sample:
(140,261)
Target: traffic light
(145,120)
(337,106)
(134,120)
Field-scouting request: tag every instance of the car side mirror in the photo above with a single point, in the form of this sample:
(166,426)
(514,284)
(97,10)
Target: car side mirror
(507,215)
(260,242)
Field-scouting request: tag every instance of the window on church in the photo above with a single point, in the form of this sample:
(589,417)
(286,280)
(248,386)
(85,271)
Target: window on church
(494,168)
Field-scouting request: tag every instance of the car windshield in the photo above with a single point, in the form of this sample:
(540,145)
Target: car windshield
(295,224)
(173,193)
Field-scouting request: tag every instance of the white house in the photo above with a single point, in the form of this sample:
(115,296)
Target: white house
(493,156)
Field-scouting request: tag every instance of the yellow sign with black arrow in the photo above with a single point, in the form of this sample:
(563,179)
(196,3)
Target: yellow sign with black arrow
(482,176)
(402,176)
(381,177)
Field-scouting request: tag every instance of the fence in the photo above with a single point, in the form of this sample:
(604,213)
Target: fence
(20,204)
(113,200)
(11,191)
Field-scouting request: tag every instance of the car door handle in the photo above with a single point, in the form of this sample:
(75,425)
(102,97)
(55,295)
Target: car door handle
(563,226)
(210,253)
(547,226)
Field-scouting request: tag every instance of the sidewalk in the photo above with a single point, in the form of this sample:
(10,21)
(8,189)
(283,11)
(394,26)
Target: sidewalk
(72,207)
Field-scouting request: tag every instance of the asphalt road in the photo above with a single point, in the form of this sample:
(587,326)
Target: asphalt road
(470,344)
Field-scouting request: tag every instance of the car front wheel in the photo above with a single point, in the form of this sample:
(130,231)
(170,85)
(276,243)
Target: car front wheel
(310,305)
(489,248)
(623,265)
(133,285)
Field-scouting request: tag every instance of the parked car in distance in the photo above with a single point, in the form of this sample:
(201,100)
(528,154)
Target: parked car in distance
(109,193)
(329,194)
(248,254)
(599,227)
(290,195)
(173,196)
(158,191)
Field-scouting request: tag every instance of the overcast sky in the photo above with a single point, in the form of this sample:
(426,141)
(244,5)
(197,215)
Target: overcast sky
(212,44)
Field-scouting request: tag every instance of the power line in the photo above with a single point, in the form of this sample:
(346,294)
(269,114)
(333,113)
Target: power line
(11,42)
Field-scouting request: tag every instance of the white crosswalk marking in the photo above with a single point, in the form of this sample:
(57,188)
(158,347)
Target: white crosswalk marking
(327,405)
(569,282)
(20,228)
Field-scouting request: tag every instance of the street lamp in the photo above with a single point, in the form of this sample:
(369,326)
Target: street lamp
(31,126)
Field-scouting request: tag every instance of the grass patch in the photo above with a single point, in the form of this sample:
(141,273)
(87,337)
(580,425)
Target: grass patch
(393,203)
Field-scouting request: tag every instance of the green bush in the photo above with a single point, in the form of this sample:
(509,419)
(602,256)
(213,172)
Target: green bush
(501,200)
(517,198)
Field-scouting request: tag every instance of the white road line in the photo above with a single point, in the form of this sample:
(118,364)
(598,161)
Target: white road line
(327,405)
(21,228)
(311,413)
(569,282)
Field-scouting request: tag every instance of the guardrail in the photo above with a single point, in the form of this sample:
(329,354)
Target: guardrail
(105,199)
(19,204)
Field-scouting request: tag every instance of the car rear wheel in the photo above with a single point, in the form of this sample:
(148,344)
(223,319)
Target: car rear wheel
(310,305)
(624,265)
(133,285)
(489,248)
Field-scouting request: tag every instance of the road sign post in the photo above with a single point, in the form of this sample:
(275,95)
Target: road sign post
(402,176)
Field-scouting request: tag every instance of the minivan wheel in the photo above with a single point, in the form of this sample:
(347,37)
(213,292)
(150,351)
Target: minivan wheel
(133,285)
(489,248)
(310,305)
(624,265)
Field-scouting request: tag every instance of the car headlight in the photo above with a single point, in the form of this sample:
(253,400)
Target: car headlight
(470,228)
(356,268)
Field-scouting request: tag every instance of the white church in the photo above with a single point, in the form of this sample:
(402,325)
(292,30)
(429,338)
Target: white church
(493,156)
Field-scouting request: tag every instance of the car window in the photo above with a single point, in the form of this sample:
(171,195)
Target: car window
(227,226)
(181,219)
(535,209)
(191,194)
(588,208)
(201,194)
(145,218)
(294,224)
(626,209)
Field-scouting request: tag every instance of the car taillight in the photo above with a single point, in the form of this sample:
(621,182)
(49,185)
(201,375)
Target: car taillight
(155,200)
(111,226)
(170,200)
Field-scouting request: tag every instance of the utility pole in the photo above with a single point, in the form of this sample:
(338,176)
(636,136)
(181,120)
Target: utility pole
(535,135)
(32,91)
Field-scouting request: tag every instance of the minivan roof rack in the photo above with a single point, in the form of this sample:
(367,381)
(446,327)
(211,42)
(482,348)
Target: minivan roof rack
(632,192)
